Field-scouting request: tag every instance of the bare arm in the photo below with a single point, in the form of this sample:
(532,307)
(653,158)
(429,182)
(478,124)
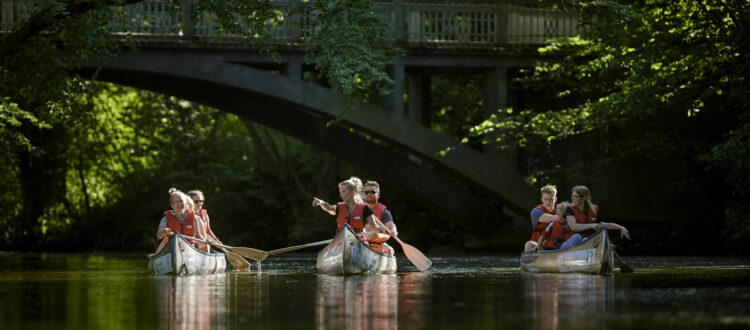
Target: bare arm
(574,226)
(612,225)
(377,231)
(325,206)
(547,218)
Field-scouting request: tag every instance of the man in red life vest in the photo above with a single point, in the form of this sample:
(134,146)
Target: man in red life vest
(372,195)
(552,236)
(542,215)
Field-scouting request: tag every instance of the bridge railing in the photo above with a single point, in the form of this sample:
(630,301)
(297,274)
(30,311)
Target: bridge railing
(415,24)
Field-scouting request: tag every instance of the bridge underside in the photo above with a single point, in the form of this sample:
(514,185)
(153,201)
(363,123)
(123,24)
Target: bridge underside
(300,110)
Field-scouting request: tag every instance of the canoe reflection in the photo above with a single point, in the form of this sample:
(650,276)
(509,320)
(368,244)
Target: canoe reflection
(569,301)
(192,301)
(370,302)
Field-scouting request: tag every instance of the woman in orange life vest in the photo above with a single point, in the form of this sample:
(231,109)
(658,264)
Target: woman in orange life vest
(552,236)
(542,215)
(372,196)
(583,220)
(181,219)
(352,210)
(198,200)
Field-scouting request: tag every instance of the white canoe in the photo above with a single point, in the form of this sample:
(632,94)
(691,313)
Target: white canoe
(594,256)
(179,257)
(348,255)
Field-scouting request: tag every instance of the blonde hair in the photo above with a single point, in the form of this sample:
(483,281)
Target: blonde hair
(354,184)
(185,200)
(549,189)
(586,196)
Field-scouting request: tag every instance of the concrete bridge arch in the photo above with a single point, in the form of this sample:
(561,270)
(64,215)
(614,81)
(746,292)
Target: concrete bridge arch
(458,183)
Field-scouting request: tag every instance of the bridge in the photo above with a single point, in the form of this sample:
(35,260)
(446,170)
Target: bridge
(181,57)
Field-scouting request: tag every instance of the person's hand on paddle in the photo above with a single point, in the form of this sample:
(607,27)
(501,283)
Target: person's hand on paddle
(165,231)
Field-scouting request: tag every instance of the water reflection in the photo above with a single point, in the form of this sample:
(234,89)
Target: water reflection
(569,301)
(194,302)
(370,302)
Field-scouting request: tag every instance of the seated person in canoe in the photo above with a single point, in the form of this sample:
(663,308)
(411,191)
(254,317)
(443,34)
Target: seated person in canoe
(352,210)
(542,215)
(198,202)
(552,237)
(181,219)
(372,197)
(582,219)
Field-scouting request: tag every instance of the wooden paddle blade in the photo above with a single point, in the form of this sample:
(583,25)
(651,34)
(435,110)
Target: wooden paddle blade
(416,257)
(250,253)
(624,268)
(237,261)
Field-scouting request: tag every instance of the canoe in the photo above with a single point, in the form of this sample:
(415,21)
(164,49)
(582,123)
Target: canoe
(594,256)
(179,257)
(347,255)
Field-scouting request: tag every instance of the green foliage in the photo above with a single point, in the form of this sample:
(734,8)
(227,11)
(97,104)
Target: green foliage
(665,82)
(90,146)
(351,46)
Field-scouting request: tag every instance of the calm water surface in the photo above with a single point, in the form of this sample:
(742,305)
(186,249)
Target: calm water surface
(67,291)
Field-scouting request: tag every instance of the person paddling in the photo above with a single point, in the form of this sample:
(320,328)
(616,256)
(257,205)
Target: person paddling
(198,202)
(352,210)
(181,219)
(372,197)
(542,215)
(552,236)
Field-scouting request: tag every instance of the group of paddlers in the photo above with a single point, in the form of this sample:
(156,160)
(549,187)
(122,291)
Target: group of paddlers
(567,224)
(359,208)
(187,217)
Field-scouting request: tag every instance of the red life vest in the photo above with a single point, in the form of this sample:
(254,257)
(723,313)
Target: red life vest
(536,231)
(187,227)
(553,236)
(378,210)
(355,219)
(206,225)
(581,218)
(376,240)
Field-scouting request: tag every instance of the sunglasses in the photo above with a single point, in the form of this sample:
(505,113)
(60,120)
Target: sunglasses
(369,192)
(198,201)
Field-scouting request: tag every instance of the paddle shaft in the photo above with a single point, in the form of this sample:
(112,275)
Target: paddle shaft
(235,259)
(299,247)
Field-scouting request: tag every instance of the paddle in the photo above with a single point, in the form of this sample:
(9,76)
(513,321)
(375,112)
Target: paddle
(235,259)
(415,256)
(624,268)
(299,247)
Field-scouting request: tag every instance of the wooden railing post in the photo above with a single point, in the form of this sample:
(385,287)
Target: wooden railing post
(293,21)
(501,24)
(398,21)
(188,28)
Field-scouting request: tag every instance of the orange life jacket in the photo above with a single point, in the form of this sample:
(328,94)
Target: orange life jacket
(536,231)
(553,236)
(581,218)
(375,241)
(187,227)
(355,219)
(206,225)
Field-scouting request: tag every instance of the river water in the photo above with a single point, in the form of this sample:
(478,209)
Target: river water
(74,291)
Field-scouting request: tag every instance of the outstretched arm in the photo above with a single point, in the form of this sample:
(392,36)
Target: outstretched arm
(612,225)
(574,226)
(325,206)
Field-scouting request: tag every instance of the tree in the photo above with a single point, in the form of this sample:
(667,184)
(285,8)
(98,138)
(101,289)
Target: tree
(665,84)
(40,91)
